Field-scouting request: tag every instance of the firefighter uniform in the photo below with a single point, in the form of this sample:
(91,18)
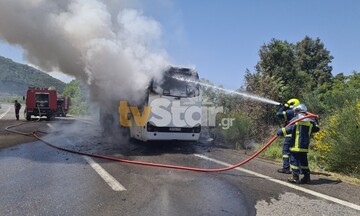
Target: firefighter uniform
(299,146)
(286,113)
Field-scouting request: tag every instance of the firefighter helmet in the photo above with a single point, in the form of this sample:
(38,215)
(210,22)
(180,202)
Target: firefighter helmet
(293,102)
(301,108)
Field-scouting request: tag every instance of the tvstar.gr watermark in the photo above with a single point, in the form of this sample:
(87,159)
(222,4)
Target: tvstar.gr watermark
(172,113)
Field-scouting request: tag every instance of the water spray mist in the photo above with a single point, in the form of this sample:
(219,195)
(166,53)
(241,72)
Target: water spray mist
(232,92)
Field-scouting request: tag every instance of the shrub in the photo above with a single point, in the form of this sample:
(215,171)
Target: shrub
(338,141)
(239,134)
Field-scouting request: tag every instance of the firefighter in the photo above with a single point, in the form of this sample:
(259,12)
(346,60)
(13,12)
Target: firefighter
(299,144)
(17,107)
(286,113)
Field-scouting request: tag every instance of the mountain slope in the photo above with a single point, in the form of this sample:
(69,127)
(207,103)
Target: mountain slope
(15,78)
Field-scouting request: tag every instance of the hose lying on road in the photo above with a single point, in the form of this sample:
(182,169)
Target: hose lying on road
(309,115)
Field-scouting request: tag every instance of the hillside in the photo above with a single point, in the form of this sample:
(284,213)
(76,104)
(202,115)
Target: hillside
(15,78)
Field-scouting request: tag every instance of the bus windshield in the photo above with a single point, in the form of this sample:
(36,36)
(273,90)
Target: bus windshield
(171,85)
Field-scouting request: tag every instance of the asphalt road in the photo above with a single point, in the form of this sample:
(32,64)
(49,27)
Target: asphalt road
(39,180)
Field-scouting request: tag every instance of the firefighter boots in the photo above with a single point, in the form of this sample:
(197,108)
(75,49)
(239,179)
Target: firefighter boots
(286,171)
(306,179)
(294,179)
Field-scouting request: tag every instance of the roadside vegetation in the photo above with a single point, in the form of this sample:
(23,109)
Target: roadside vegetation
(78,95)
(11,99)
(296,70)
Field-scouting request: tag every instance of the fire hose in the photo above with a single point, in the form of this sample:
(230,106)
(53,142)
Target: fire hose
(308,115)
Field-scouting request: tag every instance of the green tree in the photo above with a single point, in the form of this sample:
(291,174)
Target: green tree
(354,80)
(312,61)
(274,78)
(75,91)
(286,71)
(275,70)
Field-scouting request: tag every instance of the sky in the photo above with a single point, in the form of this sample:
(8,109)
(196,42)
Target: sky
(221,38)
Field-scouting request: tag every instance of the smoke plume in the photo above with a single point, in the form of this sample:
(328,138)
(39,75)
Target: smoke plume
(116,50)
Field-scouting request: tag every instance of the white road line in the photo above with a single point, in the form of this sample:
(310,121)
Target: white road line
(317,194)
(111,181)
(6,112)
(50,125)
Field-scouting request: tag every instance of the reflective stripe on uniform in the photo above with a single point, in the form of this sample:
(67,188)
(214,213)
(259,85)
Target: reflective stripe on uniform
(285,116)
(285,156)
(284,132)
(304,167)
(307,123)
(299,150)
(310,129)
(297,136)
(294,167)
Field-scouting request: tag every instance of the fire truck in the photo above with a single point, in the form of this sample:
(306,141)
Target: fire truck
(63,104)
(40,102)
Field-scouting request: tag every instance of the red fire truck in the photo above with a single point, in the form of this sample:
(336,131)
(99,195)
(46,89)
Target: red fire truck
(40,102)
(63,105)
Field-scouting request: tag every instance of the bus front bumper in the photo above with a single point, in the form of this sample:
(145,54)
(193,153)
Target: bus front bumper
(172,136)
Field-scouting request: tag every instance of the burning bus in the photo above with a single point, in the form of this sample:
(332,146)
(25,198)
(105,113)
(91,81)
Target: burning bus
(174,106)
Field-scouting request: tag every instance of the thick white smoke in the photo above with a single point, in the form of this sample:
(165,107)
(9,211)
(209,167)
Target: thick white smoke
(114,49)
